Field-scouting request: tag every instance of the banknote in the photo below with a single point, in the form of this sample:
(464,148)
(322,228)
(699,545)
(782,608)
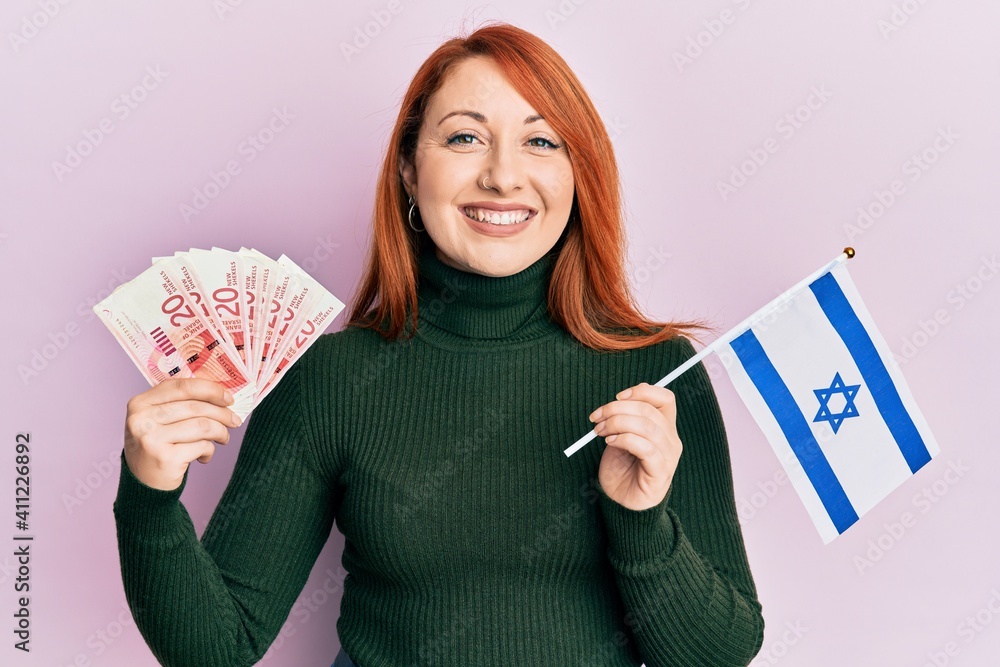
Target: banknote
(157,363)
(237,318)
(180,267)
(220,272)
(279,289)
(317,310)
(259,272)
(169,318)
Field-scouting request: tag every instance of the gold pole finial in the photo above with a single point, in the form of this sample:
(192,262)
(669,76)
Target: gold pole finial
(849,251)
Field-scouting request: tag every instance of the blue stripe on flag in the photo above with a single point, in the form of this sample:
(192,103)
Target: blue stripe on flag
(838,310)
(797,431)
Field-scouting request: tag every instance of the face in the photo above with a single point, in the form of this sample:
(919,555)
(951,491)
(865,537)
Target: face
(477,126)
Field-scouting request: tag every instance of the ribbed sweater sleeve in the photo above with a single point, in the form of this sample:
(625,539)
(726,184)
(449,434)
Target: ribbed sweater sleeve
(681,566)
(222,600)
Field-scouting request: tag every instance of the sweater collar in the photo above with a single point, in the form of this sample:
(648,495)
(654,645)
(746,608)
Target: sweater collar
(460,308)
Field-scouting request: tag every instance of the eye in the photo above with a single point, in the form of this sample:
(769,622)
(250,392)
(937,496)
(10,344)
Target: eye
(462,138)
(543,143)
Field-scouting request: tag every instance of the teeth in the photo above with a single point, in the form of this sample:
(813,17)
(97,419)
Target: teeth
(494,218)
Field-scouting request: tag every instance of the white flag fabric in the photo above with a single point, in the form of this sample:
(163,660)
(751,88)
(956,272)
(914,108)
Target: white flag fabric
(825,389)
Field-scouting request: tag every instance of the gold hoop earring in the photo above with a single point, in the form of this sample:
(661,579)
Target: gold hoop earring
(409,216)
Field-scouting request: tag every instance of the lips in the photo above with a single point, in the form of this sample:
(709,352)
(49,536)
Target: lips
(493,217)
(498,214)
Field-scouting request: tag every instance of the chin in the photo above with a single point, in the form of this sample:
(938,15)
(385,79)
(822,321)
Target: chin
(494,267)
(486,267)
(505,266)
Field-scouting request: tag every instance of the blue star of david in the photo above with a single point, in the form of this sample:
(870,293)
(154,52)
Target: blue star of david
(824,395)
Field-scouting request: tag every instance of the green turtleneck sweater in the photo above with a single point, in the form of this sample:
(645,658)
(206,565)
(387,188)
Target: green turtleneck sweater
(471,540)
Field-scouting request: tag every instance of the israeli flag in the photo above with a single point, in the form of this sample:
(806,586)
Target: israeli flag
(824,387)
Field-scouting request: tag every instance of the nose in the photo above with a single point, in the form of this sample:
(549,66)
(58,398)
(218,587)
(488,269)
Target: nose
(506,169)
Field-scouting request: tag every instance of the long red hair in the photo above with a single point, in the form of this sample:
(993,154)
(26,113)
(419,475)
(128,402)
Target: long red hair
(589,294)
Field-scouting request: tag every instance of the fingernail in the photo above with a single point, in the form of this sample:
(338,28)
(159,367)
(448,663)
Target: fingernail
(228,397)
(623,394)
(596,414)
(236,420)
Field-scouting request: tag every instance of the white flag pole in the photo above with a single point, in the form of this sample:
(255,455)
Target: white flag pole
(727,337)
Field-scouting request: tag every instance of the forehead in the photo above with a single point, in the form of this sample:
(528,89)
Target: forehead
(476,84)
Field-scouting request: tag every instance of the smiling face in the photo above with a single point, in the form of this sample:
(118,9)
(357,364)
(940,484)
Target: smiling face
(478,126)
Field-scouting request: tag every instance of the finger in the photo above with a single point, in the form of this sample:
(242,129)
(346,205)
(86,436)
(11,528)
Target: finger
(660,398)
(625,407)
(179,389)
(641,399)
(175,411)
(200,451)
(647,426)
(636,445)
(192,431)
(205,458)
(140,423)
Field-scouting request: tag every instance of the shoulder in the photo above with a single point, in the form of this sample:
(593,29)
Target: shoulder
(672,353)
(675,350)
(351,356)
(679,349)
(694,385)
(345,341)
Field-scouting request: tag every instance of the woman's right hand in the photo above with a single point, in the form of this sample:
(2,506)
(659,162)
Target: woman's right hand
(173,423)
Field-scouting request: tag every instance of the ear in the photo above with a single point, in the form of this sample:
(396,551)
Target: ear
(408,172)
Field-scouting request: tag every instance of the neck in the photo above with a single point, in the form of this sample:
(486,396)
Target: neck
(459,309)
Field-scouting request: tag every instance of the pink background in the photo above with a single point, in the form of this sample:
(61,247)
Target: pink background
(894,77)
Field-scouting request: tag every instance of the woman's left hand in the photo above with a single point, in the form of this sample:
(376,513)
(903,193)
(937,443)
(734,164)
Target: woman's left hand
(643,449)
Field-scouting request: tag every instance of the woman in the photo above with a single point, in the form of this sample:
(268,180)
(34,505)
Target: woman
(493,318)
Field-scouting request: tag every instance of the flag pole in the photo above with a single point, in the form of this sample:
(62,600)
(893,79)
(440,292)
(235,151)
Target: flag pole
(727,337)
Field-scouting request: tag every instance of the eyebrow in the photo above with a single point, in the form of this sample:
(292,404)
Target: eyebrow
(475,115)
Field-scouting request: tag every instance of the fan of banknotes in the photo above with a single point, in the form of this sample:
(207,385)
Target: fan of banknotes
(238,318)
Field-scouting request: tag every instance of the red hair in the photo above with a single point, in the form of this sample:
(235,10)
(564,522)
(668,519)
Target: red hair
(589,295)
